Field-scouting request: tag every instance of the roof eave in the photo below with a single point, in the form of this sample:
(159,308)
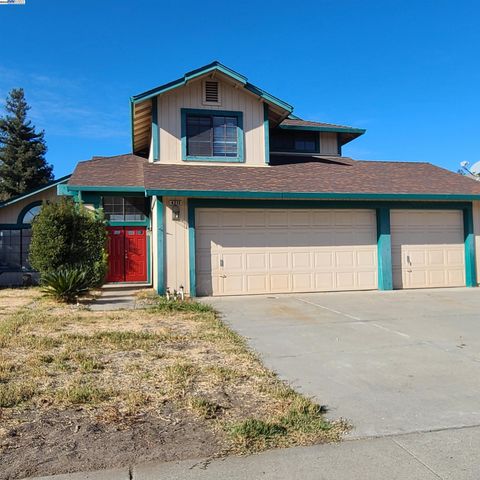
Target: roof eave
(312,195)
(51,184)
(312,128)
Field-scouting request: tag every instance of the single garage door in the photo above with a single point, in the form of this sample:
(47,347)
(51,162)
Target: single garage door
(248,251)
(427,248)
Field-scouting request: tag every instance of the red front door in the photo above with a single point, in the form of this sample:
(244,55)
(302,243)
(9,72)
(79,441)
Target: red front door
(127,254)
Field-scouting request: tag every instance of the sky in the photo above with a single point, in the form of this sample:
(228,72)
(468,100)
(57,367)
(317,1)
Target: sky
(406,70)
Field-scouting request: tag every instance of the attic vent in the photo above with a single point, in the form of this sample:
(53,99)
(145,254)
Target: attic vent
(212,93)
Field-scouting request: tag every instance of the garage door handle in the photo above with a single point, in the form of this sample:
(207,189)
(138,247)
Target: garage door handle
(223,276)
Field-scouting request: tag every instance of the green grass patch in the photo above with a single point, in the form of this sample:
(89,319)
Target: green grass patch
(163,305)
(83,393)
(12,395)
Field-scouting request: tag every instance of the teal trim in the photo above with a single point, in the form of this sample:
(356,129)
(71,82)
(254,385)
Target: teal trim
(160,247)
(118,188)
(193,111)
(469,237)
(92,198)
(34,192)
(25,209)
(192,249)
(62,189)
(339,129)
(384,248)
(269,97)
(266,131)
(211,67)
(155,137)
(311,195)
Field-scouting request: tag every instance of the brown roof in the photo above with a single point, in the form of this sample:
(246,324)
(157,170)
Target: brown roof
(297,122)
(120,170)
(315,174)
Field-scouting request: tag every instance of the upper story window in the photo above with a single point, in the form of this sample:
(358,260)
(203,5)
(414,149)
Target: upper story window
(212,135)
(124,209)
(294,141)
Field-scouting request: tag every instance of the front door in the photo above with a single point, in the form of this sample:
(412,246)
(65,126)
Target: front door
(127,254)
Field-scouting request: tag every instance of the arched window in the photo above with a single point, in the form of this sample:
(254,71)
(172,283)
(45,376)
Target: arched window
(29,213)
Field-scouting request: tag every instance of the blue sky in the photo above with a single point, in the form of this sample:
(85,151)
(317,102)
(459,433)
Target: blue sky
(407,71)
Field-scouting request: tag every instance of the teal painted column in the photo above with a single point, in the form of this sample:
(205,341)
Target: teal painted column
(191,250)
(384,248)
(155,132)
(469,237)
(266,129)
(160,247)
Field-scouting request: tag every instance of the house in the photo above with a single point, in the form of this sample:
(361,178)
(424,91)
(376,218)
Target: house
(227,192)
(16,216)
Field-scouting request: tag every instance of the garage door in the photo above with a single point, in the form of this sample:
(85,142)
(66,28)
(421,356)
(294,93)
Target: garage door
(280,251)
(427,248)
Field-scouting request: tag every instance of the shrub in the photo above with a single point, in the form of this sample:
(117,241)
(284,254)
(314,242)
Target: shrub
(66,235)
(65,284)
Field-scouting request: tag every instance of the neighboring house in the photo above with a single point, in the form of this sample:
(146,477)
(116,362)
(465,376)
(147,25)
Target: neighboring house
(16,216)
(227,193)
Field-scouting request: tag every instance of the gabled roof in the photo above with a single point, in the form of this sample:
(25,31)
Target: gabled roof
(141,104)
(211,67)
(48,185)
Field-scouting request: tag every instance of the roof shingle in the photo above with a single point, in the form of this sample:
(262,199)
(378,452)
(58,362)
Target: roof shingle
(314,175)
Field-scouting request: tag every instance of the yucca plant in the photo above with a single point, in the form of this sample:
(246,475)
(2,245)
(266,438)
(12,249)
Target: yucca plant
(65,284)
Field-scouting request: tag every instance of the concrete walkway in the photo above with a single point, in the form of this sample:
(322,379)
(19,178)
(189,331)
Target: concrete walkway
(119,297)
(445,455)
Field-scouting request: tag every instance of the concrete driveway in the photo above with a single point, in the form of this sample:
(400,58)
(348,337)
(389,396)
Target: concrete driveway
(390,362)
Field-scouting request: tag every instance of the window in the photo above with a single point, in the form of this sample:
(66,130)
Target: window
(294,141)
(31,213)
(14,249)
(208,135)
(124,209)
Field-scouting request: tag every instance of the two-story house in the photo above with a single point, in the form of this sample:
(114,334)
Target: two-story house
(226,192)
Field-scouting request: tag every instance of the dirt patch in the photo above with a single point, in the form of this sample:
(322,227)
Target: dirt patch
(82,390)
(74,440)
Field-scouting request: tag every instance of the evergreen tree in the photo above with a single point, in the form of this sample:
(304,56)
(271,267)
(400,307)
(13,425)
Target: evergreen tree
(22,150)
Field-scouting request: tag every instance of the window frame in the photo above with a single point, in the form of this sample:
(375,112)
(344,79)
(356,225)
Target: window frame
(124,220)
(208,113)
(22,266)
(293,133)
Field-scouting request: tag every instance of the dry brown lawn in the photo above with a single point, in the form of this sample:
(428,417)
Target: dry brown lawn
(83,390)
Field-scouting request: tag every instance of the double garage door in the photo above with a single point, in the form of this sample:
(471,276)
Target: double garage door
(254,251)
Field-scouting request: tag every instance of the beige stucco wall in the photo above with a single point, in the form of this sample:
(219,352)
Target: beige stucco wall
(176,246)
(9,214)
(190,96)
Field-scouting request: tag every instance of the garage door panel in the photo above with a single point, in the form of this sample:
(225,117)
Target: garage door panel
(280,250)
(427,248)
(324,259)
(279,261)
(301,260)
(256,261)
(280,283)
(344,259)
